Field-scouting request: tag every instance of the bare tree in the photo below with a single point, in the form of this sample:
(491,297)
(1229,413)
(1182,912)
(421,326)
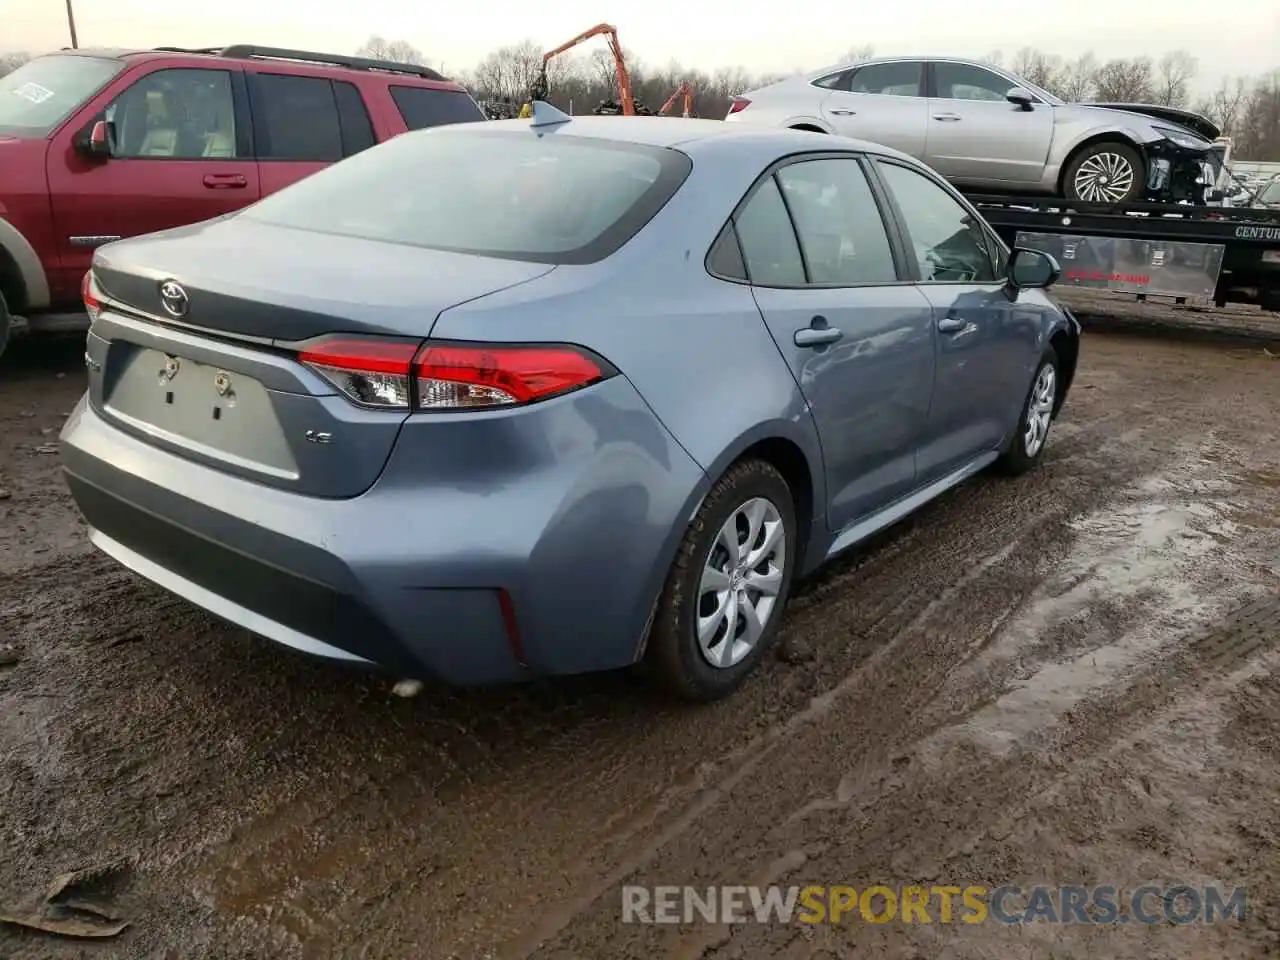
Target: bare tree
(1259,134)
(856,54)
(1124,81)
(1225,104)
(399,51)
(10,62)
(995,58)
(1043,70)
(1078,78)
(1174,74)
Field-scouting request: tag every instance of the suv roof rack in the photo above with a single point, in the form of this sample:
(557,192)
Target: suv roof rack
(247,51)
(187,49)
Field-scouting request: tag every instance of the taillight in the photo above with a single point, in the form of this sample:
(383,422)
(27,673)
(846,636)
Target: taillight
(89,293)
(447,375)
(738,105)
(454,376)
(372,373)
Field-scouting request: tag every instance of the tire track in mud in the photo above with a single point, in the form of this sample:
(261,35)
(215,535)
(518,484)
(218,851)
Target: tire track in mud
(273,801)
(879,766)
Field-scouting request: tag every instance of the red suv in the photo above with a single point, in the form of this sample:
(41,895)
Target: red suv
(97,145)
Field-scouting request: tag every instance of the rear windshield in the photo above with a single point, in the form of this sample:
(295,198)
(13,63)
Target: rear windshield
(469,188)
(41,93)
(1271,192)
(423,107)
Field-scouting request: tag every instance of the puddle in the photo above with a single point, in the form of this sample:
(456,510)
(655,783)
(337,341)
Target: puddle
(1167,545)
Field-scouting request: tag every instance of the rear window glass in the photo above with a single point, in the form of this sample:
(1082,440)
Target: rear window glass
(554,198)
(41,93)
(423,107)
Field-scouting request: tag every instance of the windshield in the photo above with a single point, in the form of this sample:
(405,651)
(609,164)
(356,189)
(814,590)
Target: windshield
(41,93)
(1271,192)
(508,193)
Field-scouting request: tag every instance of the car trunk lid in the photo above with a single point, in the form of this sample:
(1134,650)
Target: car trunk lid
(215,376)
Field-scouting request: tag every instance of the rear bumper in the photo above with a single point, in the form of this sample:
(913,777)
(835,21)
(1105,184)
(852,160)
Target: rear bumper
(576,530)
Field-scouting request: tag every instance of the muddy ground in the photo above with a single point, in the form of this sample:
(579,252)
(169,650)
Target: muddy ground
(1072,678)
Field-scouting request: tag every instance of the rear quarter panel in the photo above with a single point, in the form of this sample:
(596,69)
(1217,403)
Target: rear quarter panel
(695,348)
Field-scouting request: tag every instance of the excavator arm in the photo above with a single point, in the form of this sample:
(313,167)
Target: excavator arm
(684,90)
(540,86)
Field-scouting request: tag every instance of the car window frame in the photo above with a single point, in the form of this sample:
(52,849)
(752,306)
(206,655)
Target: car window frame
(931,78)
(398,85)
(253,81)
(922,79)
(245,152)
(903,260)
(997,250)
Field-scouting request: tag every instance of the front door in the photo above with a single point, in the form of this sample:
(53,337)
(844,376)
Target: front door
(883,103)
(180,156)
(859,343)
(976,135)
(985,345)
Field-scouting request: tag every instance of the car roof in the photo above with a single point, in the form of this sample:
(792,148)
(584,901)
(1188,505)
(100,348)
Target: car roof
(212,54)
(691,135)
(935,58)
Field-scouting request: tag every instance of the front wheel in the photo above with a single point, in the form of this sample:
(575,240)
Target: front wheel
(1032,433)
(1109,172)
(722,603)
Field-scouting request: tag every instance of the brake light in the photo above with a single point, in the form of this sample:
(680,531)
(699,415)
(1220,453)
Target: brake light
(454,376)
(392,374)
(89,293)
(738,105)
(370,372)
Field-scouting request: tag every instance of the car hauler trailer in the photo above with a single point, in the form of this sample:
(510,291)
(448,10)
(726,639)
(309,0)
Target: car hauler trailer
(1184,251)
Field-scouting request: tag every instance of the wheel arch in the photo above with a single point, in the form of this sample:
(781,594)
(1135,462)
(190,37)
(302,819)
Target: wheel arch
(784,446)
(22,278)
(1066,344)
(1107,135)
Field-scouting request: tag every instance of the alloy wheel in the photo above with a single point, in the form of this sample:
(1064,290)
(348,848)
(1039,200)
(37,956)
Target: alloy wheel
(741,579)
(1104,178)
(1040,409)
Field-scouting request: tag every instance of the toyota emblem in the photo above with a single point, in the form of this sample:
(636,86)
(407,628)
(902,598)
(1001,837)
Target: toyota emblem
(174,298)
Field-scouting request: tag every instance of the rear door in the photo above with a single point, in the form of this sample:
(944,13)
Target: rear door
(975,134)
(182,153)
(301,124)
(421,106)
(882,102)
(986,345)
(858,340)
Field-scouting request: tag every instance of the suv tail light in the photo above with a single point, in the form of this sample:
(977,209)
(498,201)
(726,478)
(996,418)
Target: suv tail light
(451,375)
(91,296)
(738,105)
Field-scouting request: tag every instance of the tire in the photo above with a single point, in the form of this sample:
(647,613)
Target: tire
(675,655)
(1024,451)
(4,324)
(1094,174)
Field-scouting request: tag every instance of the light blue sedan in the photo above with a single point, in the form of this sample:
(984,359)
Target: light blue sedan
(495,401)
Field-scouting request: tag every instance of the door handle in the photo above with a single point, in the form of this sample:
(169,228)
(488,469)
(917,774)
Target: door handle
(844,113)
(951,325)
(818,334)
(946,117)
(225,181)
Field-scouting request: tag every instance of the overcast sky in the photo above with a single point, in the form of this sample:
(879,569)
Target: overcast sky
(763,36)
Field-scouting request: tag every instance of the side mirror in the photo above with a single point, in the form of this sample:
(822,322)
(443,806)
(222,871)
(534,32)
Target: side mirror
(101,140)
(1021,97)
(1032,269)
